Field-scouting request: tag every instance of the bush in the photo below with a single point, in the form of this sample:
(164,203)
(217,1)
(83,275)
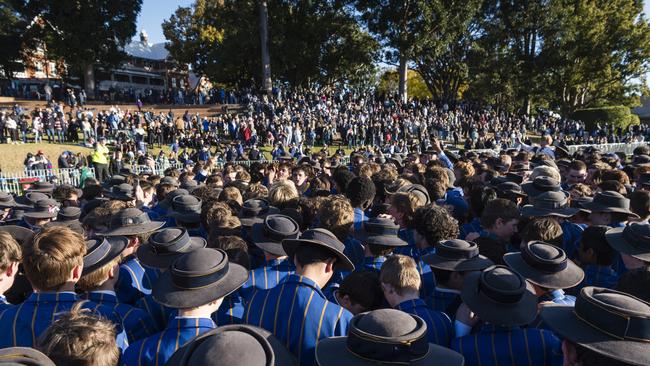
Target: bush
(615,116)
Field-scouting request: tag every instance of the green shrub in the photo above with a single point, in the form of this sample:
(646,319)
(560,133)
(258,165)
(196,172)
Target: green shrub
(616,116)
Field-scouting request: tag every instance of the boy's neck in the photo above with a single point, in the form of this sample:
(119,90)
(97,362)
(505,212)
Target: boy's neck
(407,296)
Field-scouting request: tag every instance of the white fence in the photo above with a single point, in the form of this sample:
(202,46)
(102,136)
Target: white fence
(15,182)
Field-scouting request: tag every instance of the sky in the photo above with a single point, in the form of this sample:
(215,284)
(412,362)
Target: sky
(152,15)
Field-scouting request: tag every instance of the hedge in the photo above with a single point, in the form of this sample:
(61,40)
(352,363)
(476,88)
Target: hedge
(616,116)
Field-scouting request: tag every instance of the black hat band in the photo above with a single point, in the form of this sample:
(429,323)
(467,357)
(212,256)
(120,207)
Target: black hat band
(380,230)
(624,326)
(537,184)
(187,280)
(554,265)
(446,252)
(277,236)
(397,351)
(98,253)
(550,205)
(499,295)
(174,246)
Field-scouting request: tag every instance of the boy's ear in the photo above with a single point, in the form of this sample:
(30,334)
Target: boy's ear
(330,265)
(76,273)
(12,269)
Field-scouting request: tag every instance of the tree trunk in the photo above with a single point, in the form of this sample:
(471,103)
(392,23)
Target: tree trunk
(403,77)
(264,39)
(89,80)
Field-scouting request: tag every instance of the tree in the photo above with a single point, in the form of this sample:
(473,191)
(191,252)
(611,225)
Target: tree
(87,33)
(264,44)
(310,42)
(11,41)
(598,55)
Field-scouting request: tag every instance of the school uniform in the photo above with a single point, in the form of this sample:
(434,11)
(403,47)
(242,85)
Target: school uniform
(373,263)
(135,281)
(445,300)
(354,250)
(439,328)
(4,304)
(493,345)
(21,325)
(298,314)
(137,323)
(473,226)
(558,297)
(156,311)
(267,276)
(599,276)
(359,218)
(231,310)
(571,236)
(408,235)
(426,275)
(157,349)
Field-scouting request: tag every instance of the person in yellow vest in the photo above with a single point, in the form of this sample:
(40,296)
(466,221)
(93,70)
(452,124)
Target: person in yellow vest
(99,159)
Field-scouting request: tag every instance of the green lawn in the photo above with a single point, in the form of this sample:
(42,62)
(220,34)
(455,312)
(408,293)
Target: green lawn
(13,156)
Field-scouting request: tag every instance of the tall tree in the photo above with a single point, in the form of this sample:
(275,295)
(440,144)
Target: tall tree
(264,45)
(599,54)
(399,25)
(310,42)
(12,42)
(87,33)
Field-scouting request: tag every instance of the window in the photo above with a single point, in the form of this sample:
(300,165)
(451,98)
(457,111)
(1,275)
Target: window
(139,80)
(122,78)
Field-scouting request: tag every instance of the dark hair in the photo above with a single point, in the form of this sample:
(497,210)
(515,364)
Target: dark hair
(544,229)
(364,289)
(360,191)
(635,283)
(310,254)
(342,177)
(442,276)
(612,185)
(380,250)
(479,197)
(577,165)
(435,223)
(593,238)
(498,208)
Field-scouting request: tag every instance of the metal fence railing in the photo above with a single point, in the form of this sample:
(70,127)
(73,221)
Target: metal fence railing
(19,182)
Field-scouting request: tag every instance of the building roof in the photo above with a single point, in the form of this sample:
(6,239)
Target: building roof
(138,48)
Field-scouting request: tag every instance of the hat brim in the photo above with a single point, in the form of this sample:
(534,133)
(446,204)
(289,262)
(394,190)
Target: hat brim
(291,245)
(40,215)
(262,242)
(531,211)
(461,265)
(157,260)
(167,294)
(281,355)
(134,229)
(333,351)
(595,207)
(120,197)
(520,313)
(22,234)
(571,276)
(616,240)
(75,225)
(385,240)
(563,321)
(118,244)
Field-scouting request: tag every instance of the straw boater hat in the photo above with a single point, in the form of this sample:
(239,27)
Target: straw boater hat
(40,186)
(166,245)
(233,345)
(268,235)
(633,240)
(540,185)
(198,278)
(385,336)
(131,221)
(167,202)
(324,239)
(545,265)
(121,192)
(500,296)
(458,256)
(254,210)
(608,322)
(101,251)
